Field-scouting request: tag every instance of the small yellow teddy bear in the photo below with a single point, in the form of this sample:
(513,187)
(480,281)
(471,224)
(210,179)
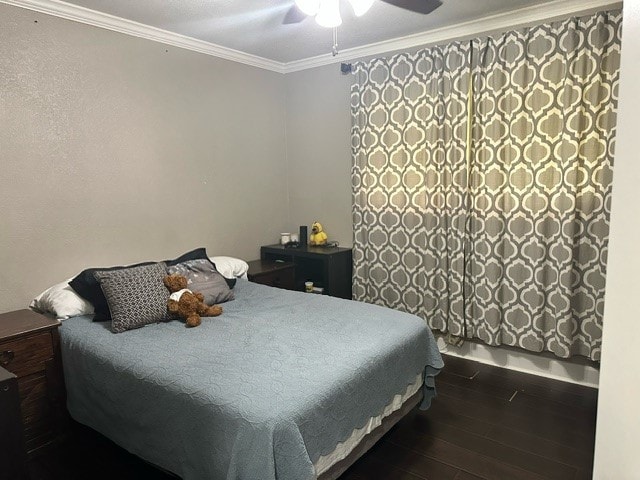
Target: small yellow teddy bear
(318,236)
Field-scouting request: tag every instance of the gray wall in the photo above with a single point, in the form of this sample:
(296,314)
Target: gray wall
(115,149)
(319,150)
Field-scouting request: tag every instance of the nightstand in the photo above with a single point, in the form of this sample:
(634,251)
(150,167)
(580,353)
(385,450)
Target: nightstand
(13,460)
(30,349)
(274,274)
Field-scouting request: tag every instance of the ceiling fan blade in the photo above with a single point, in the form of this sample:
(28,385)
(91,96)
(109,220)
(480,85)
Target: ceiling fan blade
(418,6)
(293,15)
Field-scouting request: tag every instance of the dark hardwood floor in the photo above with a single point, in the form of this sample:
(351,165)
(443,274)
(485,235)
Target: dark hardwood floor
(486,423)
(490,423)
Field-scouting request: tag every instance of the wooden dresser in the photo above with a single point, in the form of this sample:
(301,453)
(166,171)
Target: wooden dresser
(30,349)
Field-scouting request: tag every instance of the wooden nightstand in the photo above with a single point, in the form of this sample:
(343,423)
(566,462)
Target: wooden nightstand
(274,274)
(30,349)
(13,460)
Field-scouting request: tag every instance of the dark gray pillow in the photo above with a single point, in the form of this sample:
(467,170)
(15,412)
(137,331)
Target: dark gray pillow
(87,286)
(203,277)
(136,296)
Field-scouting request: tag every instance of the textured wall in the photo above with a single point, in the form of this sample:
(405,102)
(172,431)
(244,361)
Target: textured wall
(115,149)
(618,428)
(319,150)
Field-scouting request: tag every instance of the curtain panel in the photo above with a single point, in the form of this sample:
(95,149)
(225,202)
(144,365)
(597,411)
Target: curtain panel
(409,141)
(540,181)
(481,183)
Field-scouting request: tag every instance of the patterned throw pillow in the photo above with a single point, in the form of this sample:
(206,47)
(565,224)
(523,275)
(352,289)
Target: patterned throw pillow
(87,286)
(136,296)
(203,277)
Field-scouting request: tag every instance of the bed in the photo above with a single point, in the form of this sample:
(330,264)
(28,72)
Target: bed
(284,385)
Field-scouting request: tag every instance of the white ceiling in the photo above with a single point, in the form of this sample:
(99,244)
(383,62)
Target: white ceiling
(255,27)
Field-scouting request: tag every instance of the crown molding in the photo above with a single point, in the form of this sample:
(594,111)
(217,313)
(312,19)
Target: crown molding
(497,22)
(87,16)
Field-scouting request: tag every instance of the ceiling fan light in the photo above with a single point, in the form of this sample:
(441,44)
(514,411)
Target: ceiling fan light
(308,7)
(329,14)
(360,7)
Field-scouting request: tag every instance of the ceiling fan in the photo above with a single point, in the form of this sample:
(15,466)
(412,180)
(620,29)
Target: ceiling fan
(327,12)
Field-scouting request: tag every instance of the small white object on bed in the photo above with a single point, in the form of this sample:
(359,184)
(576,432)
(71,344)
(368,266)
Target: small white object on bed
(62,302)
(231,267)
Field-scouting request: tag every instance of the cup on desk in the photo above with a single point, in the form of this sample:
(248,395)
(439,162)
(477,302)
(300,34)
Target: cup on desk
(308,287)
(285,238)
(293,237)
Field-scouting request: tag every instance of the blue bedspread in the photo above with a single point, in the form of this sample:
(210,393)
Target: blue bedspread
(258,393)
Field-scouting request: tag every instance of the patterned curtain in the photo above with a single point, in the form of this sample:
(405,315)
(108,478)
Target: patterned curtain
(409,140)
(543,134)
(481,183)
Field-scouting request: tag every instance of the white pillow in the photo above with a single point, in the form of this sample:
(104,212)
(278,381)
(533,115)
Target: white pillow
(231,267)
(62,301)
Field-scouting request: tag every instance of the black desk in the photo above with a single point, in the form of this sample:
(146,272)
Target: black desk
(330,268)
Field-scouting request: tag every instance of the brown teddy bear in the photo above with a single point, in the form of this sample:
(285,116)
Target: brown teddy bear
(187,304)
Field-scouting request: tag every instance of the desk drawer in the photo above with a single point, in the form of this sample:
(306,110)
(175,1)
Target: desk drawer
(25,356)
(279,278)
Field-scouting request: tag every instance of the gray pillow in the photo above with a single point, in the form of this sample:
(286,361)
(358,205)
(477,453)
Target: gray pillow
(136,296)
(203,277)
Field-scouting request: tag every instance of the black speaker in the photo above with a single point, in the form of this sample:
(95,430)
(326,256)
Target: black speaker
(303,235)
